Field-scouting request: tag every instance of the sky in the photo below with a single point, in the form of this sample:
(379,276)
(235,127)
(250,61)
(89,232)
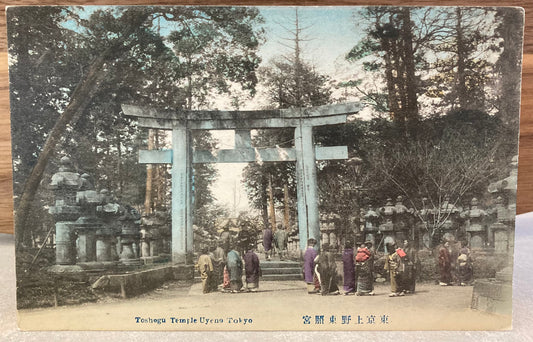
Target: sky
(329,33)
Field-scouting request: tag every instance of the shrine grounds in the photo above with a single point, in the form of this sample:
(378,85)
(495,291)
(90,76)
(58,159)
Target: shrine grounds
(173,300)
(279,305)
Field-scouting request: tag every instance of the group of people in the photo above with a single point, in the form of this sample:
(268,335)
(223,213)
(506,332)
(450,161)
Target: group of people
(455,266)
(279,240)
(320,270)
(222,267)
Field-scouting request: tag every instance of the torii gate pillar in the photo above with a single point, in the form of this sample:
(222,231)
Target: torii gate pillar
(308,218)
(182,233)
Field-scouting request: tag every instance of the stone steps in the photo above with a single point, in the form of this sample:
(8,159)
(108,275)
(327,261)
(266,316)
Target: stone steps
(276,270)
(280,270)
(279,264)
(281,277)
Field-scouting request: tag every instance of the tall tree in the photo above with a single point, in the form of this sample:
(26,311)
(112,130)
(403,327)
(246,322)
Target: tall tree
(391,39)
(462,64)
(508,65)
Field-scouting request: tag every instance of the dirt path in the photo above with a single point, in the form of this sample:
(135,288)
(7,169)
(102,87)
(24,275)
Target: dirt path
(278,306)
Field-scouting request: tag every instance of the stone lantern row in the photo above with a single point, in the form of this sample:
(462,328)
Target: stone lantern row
(92,229)
(483,227)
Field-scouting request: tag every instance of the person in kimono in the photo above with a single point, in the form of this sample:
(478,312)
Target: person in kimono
(394,265)
(411,267)
(234,266)
(252,270)
(464,266)
(364,263)
(225,238)
(327,271)
(445,265)
(348,268)
(281,240)
(267,242)
(245,238)
(205,267)
(309,266)
(219,262)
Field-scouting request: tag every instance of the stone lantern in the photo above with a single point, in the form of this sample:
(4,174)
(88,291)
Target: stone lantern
(498,231)
(489,292)
(162,222)
(371,227)
(65,211)
(88,223)
(144,241)
(151,239)
(501,230)
(106,235)
(425,215)
(402,220)
(386,228)
(476,228)
(451,214)
(328,230)
(129,236)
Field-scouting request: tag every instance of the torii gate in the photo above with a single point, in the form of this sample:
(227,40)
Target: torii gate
(182,156)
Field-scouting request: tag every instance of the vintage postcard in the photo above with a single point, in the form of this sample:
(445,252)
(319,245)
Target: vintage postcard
(264,168)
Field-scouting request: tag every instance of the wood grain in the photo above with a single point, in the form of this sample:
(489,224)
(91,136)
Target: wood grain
(525,171)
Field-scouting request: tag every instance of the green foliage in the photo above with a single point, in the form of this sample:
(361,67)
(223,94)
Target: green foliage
(52,50)
(294,84)
(363,49)
(507,66)
(42,55)
(424,60)
(463,76)
(452,157)
(389,49)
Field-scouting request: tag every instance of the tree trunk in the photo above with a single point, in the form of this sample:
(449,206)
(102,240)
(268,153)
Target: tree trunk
(389,77)
(509,66)
(462,93)
(149,176)
(411,109)
(80,99)
(286,207)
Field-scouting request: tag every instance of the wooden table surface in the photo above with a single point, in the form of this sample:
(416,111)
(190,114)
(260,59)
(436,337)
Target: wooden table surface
(525,169)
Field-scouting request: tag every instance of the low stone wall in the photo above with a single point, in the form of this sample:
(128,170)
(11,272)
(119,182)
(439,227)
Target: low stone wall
(131,284)
(492,295)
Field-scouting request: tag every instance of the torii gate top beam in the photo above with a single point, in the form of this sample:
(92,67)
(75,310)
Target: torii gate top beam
(214,119)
